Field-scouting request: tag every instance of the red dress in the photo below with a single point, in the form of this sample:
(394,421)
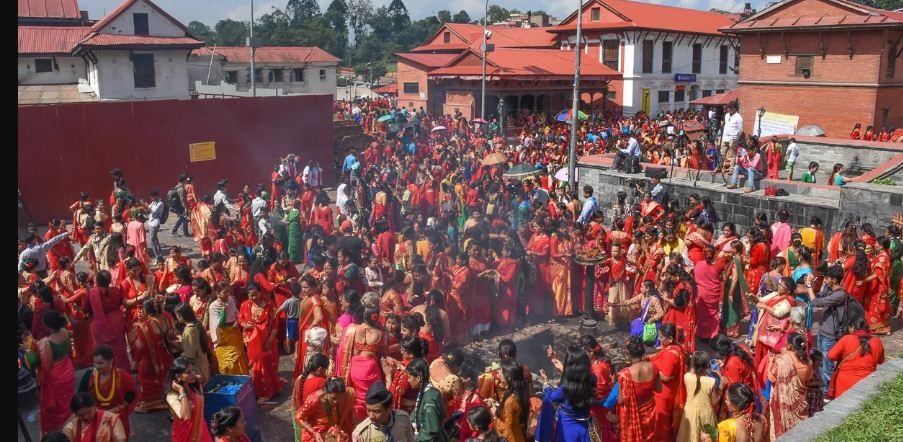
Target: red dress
(540,244)
(879,306)
(854,366)
(670,400)
(458,302)
(850,281)
(264,361)
(506,303)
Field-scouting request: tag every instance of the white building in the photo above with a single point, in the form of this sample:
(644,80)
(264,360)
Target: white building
(668,56)
(288,69)
(137,51)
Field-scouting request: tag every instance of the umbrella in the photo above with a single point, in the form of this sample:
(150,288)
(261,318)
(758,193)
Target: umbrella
(438,128)
(565,115)
(562,174)
(812,130)
(478,120)
(521,171)
(386,117)
(494,158)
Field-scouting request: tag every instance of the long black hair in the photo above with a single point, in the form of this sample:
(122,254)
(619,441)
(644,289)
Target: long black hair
(419,368)
(577,380)
(798,343)
(725,348)
(434,314)
(699,363)
(188,316)
(180,366)
(513,373)
(861,264)
(860,324)
(224,420)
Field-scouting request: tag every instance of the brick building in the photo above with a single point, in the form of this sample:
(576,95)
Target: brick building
(831,62)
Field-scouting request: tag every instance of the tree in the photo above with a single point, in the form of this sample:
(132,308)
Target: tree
(497,14)
(275,29)
(398,14)
(231,33)
(359,13)
(334,18)
(317,31)
(890,5)
(444,16)
(461,17)
(202,32)
(299,11)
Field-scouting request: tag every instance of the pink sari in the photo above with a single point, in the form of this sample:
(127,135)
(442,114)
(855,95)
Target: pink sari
(708,298)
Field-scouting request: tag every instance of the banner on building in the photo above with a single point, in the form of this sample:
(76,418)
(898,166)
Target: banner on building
(775,124)
(205,151)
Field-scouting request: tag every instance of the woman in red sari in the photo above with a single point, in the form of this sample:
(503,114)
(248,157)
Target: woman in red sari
(459,299)
(55,375)
(789,375)
(735,366)
(112,387)
(507,268)
(653,256)
(73,289)
(364,346)
(311,380)
(186,402)
(651,209)
(773,157)
(480,309)
(148,343)
(697,240)
(638,384)
(258,322)
(538,250)
(682,314)
(669,362)
(108,322)
(321,214)
(857,354)
(774,320)
(281,275)
(759,258)
(135,290)
(313,314)
(879,306)
(856,269)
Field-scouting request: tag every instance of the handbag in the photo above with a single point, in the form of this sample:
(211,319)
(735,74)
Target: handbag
(638,325)
(650,333)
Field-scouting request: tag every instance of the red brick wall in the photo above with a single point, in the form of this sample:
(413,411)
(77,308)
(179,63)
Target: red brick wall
(462,101)
(811,8)
(411,73)
(892,100)
(835,109)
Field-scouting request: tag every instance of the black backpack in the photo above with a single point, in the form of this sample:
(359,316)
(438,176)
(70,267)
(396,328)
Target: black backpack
(165,215)
(852,310)
(173,202)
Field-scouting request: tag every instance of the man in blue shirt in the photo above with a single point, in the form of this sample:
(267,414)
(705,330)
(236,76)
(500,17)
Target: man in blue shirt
(349,161)
(590,206)
(628,155)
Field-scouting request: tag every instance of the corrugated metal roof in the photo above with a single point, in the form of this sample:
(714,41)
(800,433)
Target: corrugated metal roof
(269,54)
(428,60)
(126,5)
(108,40)
(53,93)
(544,64)
(49,9)
(847,14)
(639,15)
(718,99)
(50,39)
(502,37)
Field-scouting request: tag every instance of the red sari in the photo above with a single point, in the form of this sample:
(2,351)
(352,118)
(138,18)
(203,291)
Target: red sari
(636,412)
(108,321)
(193,429)
(854,366)
(148,345)
(322,215)
(506,302)
(305,322)
(850,281)
(479,311)
(57,381)
(759,259)
(684,319)
(669,402)
(264,361)
(540,244)
(879,307)
(115,394)
(458,303)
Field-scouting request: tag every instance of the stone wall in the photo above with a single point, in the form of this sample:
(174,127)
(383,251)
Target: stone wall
(871,203)
(854,155)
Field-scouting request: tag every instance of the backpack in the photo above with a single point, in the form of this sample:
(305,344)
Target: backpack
(852,310)
(175,204)
(165,213)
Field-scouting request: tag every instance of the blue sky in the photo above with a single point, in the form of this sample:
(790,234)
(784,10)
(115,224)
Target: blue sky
(211,11)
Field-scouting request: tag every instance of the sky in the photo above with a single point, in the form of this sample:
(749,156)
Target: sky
(212,11)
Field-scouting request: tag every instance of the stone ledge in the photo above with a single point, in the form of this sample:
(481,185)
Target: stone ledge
(851,402)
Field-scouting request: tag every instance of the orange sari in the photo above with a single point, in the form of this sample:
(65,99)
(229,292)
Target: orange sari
(560,270)
(879,307)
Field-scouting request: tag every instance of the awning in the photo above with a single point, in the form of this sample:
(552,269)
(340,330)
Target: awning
(718,99)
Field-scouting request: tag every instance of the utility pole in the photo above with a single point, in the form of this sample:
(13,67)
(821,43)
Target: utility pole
(251,44)
(483,93)
(572,149)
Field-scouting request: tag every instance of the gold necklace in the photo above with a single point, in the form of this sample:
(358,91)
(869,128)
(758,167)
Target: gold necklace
(104,399)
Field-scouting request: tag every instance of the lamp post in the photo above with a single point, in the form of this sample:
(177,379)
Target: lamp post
(572,149)
(760,112)
(251,44)
(483,82)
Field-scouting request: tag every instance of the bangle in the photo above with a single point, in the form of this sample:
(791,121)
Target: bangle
(182,396)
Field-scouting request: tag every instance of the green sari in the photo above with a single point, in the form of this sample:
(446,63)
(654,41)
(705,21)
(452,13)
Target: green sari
(293,230)
(734,306)
(896,254)
(280,230)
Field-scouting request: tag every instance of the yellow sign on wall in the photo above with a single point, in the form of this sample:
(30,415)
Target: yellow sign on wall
(205,151)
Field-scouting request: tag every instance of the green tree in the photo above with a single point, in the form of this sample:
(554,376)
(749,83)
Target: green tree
(275,29)
(398,13)
(359,13)
(444,16)
(230,32)
(299,11)
(890,5)
(317,31)
(335,19)
(497,14)
(461,17)
(202,32)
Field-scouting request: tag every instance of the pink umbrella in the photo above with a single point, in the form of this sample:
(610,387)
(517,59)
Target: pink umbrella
(478,120)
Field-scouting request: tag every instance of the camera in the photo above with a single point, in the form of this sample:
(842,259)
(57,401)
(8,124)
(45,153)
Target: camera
(634,182)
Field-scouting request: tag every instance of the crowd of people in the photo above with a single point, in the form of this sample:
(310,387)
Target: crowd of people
(428,246)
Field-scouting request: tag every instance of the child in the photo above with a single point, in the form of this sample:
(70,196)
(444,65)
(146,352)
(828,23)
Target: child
(374,274)
(314,337)
(814,395)
(809,175)
(292,309)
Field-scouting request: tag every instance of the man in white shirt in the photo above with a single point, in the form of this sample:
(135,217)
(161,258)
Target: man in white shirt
(313,174)
(733,127)
(259,206)
(221,201)
(793,151)
(153,223)
(341,198)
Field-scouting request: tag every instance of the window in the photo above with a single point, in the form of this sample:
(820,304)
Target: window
(664,96)
(322,74)
(736,59)
(804,66)
(43,65)
(258,75)
(446,37)
(722,59)
(278,76)
(595,14)
(648,51)
(144,70)
(231,77)
(610,51)
(298,75)
(697,58)
(612,95)
(412,88)
(706,93)
(141,27)
(719,91)
(891,61)
(679,96)
(884,113)
(667,50)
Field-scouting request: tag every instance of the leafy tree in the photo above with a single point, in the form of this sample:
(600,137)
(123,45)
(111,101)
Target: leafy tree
(497,14)
(398,14)
(202,32)
(275,29)
(444,16)
(359,13)
(890,5)
(299,11)
(335,19)
(231,33)
(461,17)
(317,31)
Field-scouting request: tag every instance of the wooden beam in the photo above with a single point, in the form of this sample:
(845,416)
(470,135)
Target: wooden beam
(761,47)
(883,44)
(850,43)
(821,43)
(707,41)
(784,41)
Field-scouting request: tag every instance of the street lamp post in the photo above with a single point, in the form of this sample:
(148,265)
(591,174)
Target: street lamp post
(760,112)
(572,149)
(483,87)
(251,44)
